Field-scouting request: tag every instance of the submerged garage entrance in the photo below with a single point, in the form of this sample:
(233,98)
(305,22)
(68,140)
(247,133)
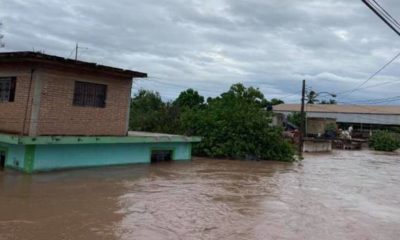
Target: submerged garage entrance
(2,159)
(161,156)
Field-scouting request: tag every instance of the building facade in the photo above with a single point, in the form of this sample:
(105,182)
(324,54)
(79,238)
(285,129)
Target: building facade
(46,95)
(60,113)
(362,116)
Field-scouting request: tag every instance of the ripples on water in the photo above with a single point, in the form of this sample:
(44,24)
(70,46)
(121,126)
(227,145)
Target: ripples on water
(346,195)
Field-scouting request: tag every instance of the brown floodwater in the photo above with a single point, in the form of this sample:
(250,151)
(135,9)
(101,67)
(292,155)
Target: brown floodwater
(343,195)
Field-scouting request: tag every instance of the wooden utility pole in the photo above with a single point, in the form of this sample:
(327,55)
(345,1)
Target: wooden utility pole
(302,120)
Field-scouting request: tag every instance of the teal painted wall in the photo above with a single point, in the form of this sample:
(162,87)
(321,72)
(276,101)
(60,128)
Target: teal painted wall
(49,157)
(15,155)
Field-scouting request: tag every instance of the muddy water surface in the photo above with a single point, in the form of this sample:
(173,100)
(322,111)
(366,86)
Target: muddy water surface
(345,195)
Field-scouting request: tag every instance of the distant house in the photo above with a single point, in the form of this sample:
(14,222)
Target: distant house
(61,113)
(360,116)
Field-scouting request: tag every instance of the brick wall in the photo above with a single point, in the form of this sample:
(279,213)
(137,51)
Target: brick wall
(58,115)
(12,114)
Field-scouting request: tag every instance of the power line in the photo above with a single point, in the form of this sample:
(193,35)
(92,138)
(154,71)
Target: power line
(157,80)
(392,19)
(392,23)
(381,84)
(290,95)
(70,54)
(382,16)
(347,92)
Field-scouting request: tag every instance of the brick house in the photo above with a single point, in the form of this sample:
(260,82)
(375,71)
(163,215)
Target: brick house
(62,113)
(48,95)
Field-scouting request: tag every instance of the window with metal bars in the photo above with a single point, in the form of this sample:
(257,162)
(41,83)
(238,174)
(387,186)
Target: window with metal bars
(7,89)
(90,94)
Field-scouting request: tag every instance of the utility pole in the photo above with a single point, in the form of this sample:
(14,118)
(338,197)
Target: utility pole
(302,120)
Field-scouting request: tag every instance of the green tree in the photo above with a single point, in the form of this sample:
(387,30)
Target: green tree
(147,112)
(236,125)
(311,97)
(189,99)
(329,102)
(276,101)
(294,118)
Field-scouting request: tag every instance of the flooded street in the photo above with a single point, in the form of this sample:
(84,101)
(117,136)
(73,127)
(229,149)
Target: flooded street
(344,195)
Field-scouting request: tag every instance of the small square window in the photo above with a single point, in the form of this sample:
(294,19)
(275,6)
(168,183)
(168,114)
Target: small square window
(90,94)
(7,89)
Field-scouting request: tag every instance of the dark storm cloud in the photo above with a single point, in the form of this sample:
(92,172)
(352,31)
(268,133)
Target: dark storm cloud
(209,45)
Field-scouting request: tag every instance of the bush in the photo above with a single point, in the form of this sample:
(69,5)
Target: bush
(235,125)
(294,118)
(385,141)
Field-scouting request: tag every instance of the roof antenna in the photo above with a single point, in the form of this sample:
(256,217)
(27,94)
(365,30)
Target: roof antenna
(77,49)
(2,44)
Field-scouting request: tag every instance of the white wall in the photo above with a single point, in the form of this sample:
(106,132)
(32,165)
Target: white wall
(356,117)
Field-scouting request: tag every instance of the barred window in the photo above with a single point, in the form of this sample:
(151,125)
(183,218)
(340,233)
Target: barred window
(90,94)
(7,89)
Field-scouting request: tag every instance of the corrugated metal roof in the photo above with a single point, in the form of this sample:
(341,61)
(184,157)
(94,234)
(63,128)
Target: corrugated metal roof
(331,108)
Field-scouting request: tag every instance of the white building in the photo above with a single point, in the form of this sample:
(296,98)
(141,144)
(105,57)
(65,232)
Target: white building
(364,116)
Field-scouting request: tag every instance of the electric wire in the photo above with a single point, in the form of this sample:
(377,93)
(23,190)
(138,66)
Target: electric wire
(388,15)
(347,92)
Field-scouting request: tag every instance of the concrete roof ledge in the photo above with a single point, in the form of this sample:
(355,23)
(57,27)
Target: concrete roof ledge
(133,137)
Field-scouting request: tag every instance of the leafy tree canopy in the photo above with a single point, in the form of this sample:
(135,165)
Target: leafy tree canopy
(311,97)
(276,101)
(233,125)
(327,102)
(147,111)
(189,98)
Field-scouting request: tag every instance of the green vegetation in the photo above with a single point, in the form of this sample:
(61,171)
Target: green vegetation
(328,102)
(385,141)
(311,97)
(294,118)
(331,127)
(233,125)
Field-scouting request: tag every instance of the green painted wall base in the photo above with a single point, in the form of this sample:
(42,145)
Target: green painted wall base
(46,157)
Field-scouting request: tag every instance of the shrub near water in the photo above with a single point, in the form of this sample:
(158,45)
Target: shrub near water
(235,125)
(385,141)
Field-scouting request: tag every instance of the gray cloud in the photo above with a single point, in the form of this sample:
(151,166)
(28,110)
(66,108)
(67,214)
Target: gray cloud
(209,45)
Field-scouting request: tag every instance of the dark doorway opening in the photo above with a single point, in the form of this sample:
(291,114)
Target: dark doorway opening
(161,156)
(2,160)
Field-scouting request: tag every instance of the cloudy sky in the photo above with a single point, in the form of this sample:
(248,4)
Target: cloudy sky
(210,44)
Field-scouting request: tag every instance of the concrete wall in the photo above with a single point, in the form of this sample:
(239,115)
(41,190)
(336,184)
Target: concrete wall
(30,158)
(317,146)
(277,120)
(317,126)
(15,155)
(356,118)
(49,157)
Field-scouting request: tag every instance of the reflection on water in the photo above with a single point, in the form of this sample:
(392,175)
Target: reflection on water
(346,195)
